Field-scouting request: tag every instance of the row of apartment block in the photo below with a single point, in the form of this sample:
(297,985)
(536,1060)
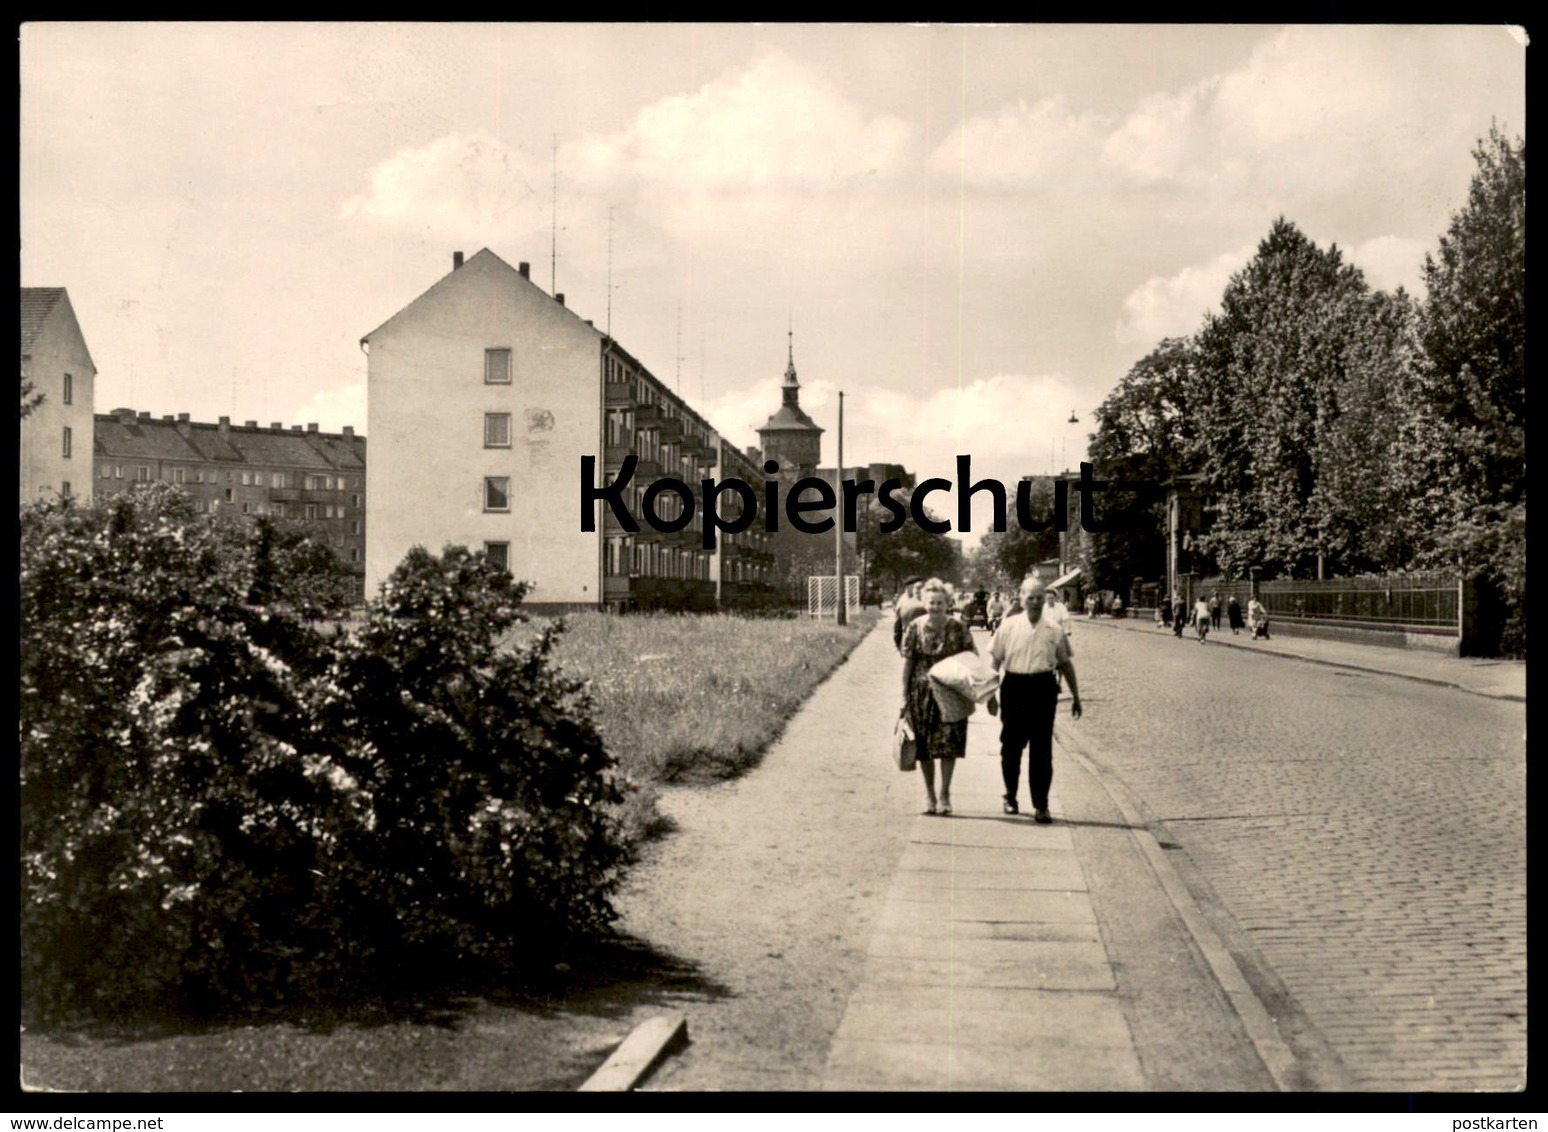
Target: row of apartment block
(315,477)
(69,451)
(483,395)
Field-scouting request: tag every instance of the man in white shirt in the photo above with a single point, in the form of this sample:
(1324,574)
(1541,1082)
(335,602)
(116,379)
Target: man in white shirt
(1055,612)
(1027,652)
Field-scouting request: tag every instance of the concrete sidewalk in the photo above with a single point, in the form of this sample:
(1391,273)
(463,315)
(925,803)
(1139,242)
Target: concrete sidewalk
(1497,679)
(987,969)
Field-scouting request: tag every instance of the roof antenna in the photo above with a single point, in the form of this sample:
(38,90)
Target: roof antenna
(609,271)
(677,382)
(553,245)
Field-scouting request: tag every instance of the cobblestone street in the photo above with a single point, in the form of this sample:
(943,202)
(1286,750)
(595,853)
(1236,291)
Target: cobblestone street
(1360,840)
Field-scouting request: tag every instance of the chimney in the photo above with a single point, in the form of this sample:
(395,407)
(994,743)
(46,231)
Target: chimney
(168,418)
(182,417)
(349,432)
(225,426)
(183,427)
(125,416)
(559,297)
(277,426)
(525,269)
(295,428)
(312,427)
(456,260)
(251,424)
(146,417)
(593,326)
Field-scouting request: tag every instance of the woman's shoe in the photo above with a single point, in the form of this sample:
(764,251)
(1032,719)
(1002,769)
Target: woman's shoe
(946,807)
(1011,807)
(930,810)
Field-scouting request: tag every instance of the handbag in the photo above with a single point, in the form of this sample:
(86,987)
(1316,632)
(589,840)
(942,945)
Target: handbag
(905,750)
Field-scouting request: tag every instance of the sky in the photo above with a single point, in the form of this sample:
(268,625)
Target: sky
(972,231)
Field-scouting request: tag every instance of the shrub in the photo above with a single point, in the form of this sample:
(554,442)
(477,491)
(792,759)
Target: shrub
(220,809)
(490,789)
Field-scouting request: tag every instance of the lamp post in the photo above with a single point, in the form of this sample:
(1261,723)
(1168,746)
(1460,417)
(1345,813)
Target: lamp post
(838,528)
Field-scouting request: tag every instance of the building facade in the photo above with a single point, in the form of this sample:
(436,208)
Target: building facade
(56,437)
(484,394)
(317,478)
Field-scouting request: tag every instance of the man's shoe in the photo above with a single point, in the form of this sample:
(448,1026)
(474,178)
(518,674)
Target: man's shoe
(1011,807)
(1043,817)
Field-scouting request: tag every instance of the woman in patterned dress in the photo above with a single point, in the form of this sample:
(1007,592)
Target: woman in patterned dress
(928,639)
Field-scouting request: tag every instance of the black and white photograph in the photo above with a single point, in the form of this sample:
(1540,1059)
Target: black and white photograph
(906,559)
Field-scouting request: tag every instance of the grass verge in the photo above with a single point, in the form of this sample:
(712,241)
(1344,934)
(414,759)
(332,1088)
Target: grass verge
(697,699)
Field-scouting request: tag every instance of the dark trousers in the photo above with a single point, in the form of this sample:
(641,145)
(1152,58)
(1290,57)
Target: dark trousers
(1027,706)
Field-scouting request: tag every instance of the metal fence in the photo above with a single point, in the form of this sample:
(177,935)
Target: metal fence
(1430,600)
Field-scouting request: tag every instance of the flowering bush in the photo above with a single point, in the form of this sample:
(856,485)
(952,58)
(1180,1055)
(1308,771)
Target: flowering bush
(220,809)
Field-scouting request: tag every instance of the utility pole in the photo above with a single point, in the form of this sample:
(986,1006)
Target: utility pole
(838,528)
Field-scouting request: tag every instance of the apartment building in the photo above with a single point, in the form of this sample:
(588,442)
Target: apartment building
(56,436)
(483,395)
(314,477)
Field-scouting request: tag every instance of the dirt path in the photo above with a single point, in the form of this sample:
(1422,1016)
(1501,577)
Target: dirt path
(772,884)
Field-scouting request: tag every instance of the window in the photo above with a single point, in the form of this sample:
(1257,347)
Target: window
(118,471)
(497,367)
(311,511)
(107,471)
(327,510)
(178,474)
(228,495)
(497,493)
(497,430)
(247,508)
(354,501)
(277,480)
(69,389)
(67,442)
(499,554)
(142,474)
(354,554)
(354,526)
(64,489)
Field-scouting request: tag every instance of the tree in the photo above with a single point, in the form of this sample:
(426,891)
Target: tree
(910,551)
(1145,434)
(30,397)
(1269,367)
(1470,423)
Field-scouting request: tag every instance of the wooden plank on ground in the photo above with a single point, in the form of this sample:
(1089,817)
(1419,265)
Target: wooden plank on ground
(640,1052)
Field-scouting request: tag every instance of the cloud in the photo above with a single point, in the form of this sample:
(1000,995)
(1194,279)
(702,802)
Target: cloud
(1172,306)
(776,124)
(462,183)
(769,162)
(332,409)
(1041,145)
(1390,262)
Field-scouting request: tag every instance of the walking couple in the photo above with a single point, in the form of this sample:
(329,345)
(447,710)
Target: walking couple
(1029,652)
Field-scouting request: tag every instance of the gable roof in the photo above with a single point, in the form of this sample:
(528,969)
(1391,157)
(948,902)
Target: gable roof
(36,305)
(481,254)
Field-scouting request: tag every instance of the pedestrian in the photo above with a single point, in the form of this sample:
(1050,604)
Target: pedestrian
(905,609)
(1258,620)
(1214,610)
(1055,612)
(1029,652)
(929,639)
(1201,618)
(1234,614)
(995,610)
(1164,609)
(1117,606)
(1179,615)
